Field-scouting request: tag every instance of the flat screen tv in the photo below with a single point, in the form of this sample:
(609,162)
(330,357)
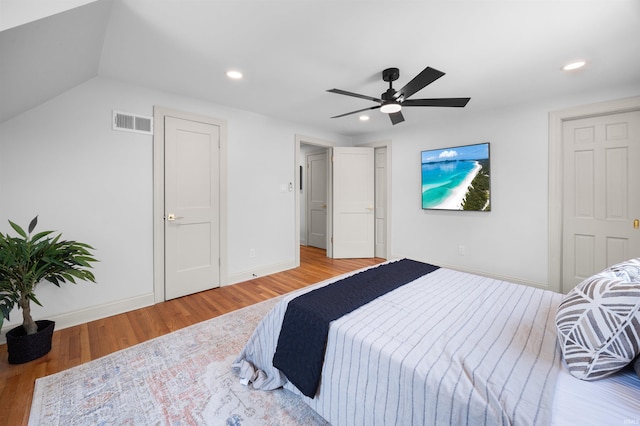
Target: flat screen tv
(457,178)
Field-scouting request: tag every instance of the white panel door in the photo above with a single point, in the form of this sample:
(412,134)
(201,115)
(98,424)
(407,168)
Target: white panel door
(381,202)
(317,200)
(601,194)
(192,247)
(353,202)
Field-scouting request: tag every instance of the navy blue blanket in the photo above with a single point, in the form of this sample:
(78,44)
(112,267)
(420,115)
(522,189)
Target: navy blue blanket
(303,337)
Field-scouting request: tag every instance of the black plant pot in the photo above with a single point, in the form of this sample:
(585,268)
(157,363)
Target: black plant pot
(23,347)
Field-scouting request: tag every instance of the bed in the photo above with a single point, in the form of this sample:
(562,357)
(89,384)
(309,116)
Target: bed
(446,348)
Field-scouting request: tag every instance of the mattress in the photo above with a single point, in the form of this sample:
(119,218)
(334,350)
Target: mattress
(613,400)
(497,360)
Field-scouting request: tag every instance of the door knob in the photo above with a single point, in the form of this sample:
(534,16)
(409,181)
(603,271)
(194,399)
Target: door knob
(171,217)
(636,224)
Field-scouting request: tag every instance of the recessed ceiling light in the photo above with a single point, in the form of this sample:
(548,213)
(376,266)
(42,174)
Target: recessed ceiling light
(574,65)
(364,118)
(236,75)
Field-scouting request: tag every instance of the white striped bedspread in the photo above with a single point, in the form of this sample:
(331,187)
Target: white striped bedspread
(449,348)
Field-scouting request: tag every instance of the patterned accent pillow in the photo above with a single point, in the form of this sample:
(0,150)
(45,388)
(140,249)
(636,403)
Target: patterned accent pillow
(598,322)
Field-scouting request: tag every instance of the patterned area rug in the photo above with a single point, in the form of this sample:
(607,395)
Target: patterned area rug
(182,378)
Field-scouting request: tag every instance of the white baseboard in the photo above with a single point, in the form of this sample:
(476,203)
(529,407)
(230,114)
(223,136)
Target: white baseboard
(260,272)
(91,314)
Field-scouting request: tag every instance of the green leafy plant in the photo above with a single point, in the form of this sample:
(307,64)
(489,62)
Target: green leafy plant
(26,260)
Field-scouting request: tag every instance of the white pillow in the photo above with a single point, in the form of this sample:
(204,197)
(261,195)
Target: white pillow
(598,322)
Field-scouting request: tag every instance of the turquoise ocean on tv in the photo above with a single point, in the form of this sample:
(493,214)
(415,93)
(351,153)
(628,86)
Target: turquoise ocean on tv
(441,178)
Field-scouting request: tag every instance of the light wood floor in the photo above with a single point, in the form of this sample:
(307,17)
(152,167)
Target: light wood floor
(76,345)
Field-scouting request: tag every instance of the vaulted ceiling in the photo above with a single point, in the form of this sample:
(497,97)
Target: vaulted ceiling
(498,52)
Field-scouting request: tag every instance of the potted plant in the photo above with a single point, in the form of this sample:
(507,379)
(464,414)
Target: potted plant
(25,261)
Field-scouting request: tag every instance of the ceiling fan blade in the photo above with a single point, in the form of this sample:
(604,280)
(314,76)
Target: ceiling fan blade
(355,112)
(441,102)
(396,117)
(426,77)
(356,95)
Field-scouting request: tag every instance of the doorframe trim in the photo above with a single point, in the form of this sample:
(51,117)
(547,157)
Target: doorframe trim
(555,183)
(159,114)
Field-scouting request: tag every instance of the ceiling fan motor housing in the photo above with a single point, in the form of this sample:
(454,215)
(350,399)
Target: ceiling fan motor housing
(389,95)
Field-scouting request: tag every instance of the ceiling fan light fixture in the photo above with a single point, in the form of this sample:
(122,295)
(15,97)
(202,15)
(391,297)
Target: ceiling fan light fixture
(390,108)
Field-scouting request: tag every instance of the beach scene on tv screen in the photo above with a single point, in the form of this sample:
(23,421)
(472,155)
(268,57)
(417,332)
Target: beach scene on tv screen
(456,178)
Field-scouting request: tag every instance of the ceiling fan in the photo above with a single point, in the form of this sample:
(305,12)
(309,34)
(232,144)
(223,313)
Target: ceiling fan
(392,101)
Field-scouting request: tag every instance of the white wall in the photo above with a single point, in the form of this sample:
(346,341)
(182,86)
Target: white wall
(63,162)
(511,241)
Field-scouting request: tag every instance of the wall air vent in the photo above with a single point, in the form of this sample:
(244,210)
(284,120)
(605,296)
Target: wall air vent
(132,123)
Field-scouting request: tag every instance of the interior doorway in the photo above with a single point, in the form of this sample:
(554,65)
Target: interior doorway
(382,189)
(305,145)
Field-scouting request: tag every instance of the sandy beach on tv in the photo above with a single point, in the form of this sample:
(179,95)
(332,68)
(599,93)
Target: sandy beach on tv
(455,200)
